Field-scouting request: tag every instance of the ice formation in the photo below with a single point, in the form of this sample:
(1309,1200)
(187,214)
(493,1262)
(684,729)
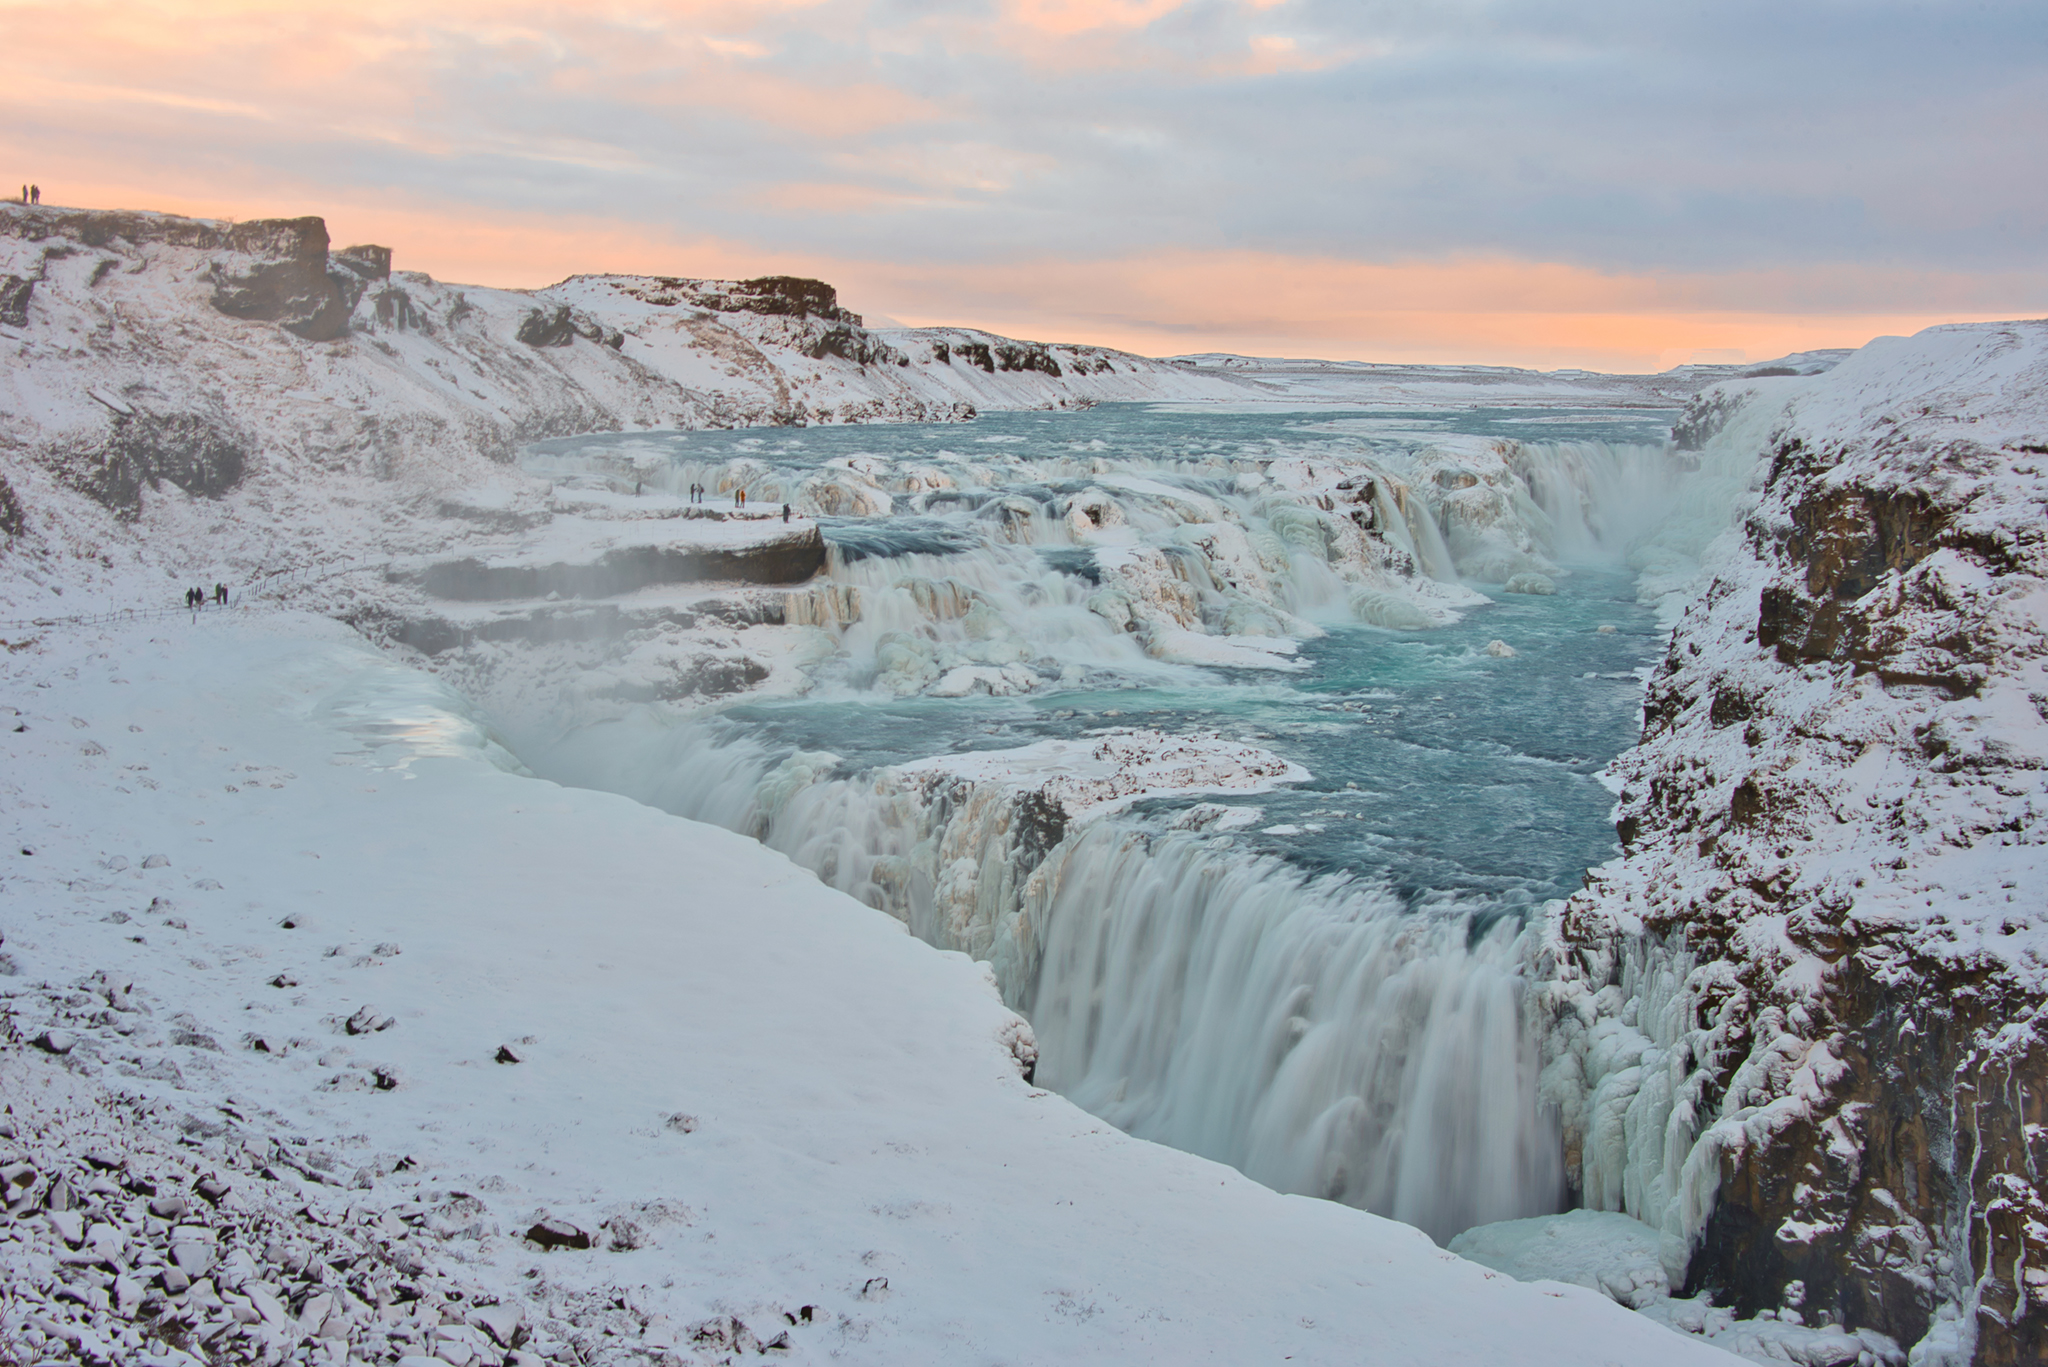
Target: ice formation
(1796,1027)
(1791,1033)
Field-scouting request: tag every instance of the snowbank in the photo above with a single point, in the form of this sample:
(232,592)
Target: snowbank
(333,918)
(1107,771)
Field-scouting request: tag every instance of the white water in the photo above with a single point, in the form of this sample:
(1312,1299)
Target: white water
(1326,1036)
(1322,1038)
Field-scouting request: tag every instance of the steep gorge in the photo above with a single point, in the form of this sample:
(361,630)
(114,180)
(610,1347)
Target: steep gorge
(1798,1027)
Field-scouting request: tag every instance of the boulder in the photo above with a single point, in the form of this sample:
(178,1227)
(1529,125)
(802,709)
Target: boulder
(552,1233)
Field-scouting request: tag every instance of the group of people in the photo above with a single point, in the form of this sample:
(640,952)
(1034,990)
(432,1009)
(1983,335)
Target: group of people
(31,194)
(196,598)
(739,498)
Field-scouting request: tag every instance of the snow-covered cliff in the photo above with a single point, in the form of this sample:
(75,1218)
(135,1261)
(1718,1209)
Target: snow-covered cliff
(144,350)
(1799,1025)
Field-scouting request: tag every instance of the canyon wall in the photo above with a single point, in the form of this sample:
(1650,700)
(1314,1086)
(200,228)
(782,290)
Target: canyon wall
(1799,1026)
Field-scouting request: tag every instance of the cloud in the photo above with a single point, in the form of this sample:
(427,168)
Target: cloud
(1796,159)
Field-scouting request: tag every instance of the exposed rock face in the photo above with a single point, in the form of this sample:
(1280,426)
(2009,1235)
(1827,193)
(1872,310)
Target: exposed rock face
(1800,1026)
(370,262)
(197,453)
(14,296)
(787,294)
(561,326)
(786,560)
(1010,357)
(13,518)
(854,344)
(289,282)
(547,327)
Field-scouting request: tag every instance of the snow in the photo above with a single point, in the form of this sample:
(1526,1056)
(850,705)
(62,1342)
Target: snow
(854,1105)
(1109,770)
(797,1103)
(1896,792)
(1618,1257)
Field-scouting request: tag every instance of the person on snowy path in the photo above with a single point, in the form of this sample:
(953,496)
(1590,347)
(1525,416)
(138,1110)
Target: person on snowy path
(220,594)
(785,512)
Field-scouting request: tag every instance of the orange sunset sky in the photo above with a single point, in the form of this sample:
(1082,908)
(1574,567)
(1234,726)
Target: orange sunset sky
(1619,187)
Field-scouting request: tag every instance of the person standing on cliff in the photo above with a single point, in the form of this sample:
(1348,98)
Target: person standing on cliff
(35,194)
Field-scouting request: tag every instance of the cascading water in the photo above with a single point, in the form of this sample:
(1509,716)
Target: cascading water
(1321,1036)
(1320,985)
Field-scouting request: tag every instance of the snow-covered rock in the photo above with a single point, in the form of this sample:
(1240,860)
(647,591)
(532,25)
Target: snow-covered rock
(1798,1027)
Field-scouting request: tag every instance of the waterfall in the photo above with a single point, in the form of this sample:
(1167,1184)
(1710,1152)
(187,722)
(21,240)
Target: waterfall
(1325,1035)
(1321,1037)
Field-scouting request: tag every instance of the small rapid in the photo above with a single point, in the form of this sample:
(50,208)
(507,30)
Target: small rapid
(1322,984)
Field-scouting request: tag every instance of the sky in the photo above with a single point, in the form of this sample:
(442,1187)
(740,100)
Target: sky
(1610,184)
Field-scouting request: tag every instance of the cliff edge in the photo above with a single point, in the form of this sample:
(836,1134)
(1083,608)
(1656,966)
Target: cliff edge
(1799,1026)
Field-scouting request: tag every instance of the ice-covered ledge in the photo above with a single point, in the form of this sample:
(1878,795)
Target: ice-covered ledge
(576,556)
(796,1103)
(1107,771)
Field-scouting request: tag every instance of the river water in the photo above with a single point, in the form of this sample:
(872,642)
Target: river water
(1321,984)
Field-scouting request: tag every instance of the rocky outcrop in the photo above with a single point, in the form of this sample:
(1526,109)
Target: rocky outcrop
(367,260)
(289,281)
(1799,1027)
(856,345)
(787,559)
(560,325)
(14,297)
(13,517)
(783,295)
(195,452)
(1010,358)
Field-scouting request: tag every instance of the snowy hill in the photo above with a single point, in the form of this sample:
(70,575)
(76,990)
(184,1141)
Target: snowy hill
(149,352)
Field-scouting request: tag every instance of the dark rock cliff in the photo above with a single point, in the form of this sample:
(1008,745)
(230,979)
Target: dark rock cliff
(789,559)
(1828,934)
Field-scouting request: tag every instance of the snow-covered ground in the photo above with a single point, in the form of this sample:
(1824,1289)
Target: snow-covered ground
(275,896)
(371,950)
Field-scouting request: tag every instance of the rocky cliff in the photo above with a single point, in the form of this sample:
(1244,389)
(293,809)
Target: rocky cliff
(1799,1026)
(152,358)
